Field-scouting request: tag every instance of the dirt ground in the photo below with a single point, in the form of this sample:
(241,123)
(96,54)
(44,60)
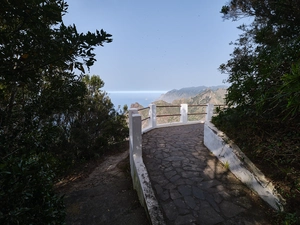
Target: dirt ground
(102,193)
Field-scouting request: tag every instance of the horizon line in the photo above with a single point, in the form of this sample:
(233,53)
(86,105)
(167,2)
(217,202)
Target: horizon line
(122,92)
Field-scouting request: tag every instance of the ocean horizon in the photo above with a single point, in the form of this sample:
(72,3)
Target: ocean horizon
(144,98)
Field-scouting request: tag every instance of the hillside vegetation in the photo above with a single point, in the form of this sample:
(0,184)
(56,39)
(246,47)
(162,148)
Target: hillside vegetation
(264,93)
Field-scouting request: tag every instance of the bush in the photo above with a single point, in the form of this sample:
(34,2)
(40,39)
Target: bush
(26,192)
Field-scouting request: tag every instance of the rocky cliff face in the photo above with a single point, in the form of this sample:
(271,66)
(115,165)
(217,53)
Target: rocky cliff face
(189,93)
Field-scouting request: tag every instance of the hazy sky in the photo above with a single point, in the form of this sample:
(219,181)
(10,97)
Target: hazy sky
(157,44)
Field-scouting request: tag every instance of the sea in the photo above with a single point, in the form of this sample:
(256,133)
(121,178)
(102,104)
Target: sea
(144,98)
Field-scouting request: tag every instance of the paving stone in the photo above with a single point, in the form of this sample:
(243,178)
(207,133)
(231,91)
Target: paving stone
(179,182)
(183,211)
(165,155)
(220,188)
(167,169)
(164,195)
(198,193)
(192,168)
(189,181)
(218,198)
(209,184)
(185,190)
(186,160)
(159,156)
(158,189)
(190,174)
(225,195)
(229,209)
(212,163)
(212,190)
(243,201)
(167,150)
(174,158)
(235,193)
(185,220)
(208,216)
(166,164)
(174,178)
(157,178)
(180,154)
(170,174)
(179,170)
(210,199)
(179,202)
(170,211)
(230,178)
(169,186)
(198,179)
(162,182)
(209,172)
(190,201)
(176,164)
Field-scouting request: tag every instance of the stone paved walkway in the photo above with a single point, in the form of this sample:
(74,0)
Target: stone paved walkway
(192,186)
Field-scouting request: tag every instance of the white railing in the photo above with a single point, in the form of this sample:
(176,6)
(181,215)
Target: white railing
(151,121)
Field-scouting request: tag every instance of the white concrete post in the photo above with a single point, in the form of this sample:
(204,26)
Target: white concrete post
(184,113)
(152,115)
(209,112)
(137,135)
(132,111)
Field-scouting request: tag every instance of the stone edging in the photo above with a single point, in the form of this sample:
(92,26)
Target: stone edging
(240,165)
(145,192)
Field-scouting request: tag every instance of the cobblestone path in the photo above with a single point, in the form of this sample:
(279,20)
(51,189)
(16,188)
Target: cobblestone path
(192,186)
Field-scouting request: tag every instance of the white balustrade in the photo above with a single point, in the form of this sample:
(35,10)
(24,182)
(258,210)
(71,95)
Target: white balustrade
(184,113)
(152,115)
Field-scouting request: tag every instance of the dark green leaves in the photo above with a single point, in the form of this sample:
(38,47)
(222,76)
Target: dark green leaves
(264,53)
(49,115)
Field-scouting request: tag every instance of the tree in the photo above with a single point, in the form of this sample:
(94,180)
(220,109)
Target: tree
(264,92)
(264,56)
(38,54)
(39,92)
(98,125)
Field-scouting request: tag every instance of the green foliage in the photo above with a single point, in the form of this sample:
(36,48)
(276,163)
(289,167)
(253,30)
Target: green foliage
(263,55)
(49,115)
(26,195)
(98,125)
(290,91)
(263,71)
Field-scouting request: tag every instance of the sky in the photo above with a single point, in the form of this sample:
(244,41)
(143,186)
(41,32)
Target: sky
(157,45)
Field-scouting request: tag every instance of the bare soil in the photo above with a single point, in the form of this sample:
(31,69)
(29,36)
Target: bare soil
(102,193)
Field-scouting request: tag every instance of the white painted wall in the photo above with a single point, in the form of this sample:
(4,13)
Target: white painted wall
(240,165)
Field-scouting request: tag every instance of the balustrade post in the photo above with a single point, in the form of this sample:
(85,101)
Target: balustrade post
(152,115)
(209,112)
(184,113)
(135,136)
